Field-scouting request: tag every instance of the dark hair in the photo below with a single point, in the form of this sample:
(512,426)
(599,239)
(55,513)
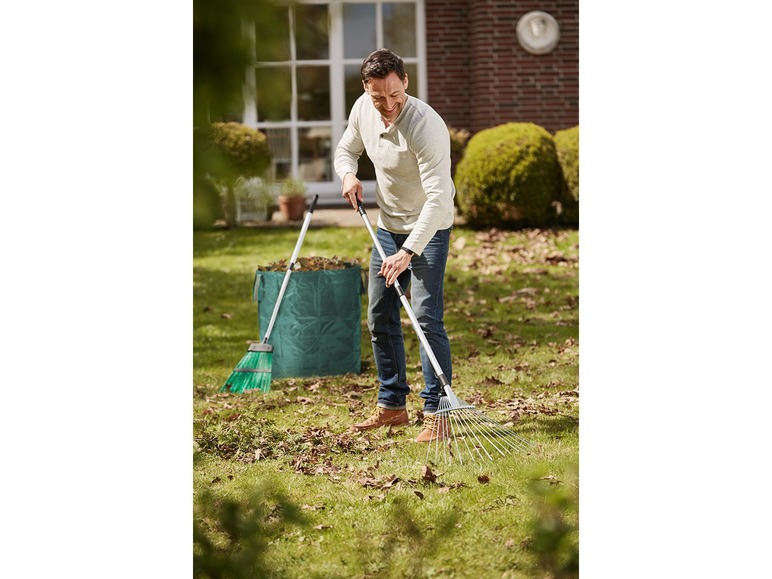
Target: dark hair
(380,64)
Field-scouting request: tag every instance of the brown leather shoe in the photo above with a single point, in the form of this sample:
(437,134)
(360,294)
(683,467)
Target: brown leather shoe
(435,428)
(382,417)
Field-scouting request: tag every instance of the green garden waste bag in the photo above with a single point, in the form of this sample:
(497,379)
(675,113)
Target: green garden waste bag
(318,328)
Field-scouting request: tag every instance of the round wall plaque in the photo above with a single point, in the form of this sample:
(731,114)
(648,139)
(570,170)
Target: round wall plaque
(538,32)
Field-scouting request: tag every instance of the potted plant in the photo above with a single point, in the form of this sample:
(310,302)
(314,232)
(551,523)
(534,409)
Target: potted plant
(254,200)
(292,199)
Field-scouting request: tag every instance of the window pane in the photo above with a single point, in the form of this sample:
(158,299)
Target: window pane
(272,35)
(311,32)
(281,152)
(358,30)
(315,162)
(399,28)
(313,93)
(274,93)
(353,85)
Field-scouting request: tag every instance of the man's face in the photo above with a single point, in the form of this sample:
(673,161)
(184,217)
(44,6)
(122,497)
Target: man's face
(388,95)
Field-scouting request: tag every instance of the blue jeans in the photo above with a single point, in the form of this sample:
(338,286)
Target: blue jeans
(427,274)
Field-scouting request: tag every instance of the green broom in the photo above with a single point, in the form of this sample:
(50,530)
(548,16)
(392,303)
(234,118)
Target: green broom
(253,372)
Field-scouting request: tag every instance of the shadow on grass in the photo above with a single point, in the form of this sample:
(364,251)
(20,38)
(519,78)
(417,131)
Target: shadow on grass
(228,242)
(231,536)
(549,425)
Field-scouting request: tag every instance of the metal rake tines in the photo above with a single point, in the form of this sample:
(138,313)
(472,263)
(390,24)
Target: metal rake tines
(467,431)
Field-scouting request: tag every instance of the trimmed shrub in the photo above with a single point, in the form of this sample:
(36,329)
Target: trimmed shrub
(245,148)
(567,145)
(509,177)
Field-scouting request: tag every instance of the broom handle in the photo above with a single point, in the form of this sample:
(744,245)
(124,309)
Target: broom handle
(406,304)
(285,281)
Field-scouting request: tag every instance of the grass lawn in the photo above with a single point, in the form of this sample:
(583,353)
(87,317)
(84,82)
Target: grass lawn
(281,489)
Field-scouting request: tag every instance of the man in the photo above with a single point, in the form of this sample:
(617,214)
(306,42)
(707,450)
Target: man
(409,145)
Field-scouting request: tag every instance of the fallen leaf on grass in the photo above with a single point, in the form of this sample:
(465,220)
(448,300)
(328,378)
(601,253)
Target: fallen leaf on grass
(485,332)
(386,445)
(322,527)
(483,479)
(459,243)
(526,291)
(427,475)
(313,507)
(446,489)
(391,482)
(491,381)
(315,386)
(373,482)
(367,481)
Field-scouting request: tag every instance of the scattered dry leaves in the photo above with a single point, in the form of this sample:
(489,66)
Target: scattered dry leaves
(312,264)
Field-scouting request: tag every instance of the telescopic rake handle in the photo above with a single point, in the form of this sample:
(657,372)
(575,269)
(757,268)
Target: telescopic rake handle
(294,257)
(406,304)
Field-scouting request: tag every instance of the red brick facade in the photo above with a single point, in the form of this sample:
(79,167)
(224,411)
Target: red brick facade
(479,76)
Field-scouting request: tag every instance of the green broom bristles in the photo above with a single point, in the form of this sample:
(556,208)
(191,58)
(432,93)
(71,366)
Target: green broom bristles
(253,372)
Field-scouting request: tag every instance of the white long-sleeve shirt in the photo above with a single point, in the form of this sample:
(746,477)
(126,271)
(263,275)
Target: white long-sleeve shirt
(413,186)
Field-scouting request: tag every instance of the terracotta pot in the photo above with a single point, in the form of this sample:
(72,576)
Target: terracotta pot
(293,207)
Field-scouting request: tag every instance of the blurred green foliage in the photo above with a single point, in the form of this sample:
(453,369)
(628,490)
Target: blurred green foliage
(226,34)
(231,535)
(555,529)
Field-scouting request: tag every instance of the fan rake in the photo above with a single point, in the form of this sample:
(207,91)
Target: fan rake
(467,434)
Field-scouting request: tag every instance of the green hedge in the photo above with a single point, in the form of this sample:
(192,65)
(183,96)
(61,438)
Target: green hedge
(509,177)
(567,144)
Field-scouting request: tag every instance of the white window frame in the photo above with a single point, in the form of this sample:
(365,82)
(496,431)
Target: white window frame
(329,191)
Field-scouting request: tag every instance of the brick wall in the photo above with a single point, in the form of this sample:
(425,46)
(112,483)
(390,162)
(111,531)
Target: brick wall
(447,49)
(479,75)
